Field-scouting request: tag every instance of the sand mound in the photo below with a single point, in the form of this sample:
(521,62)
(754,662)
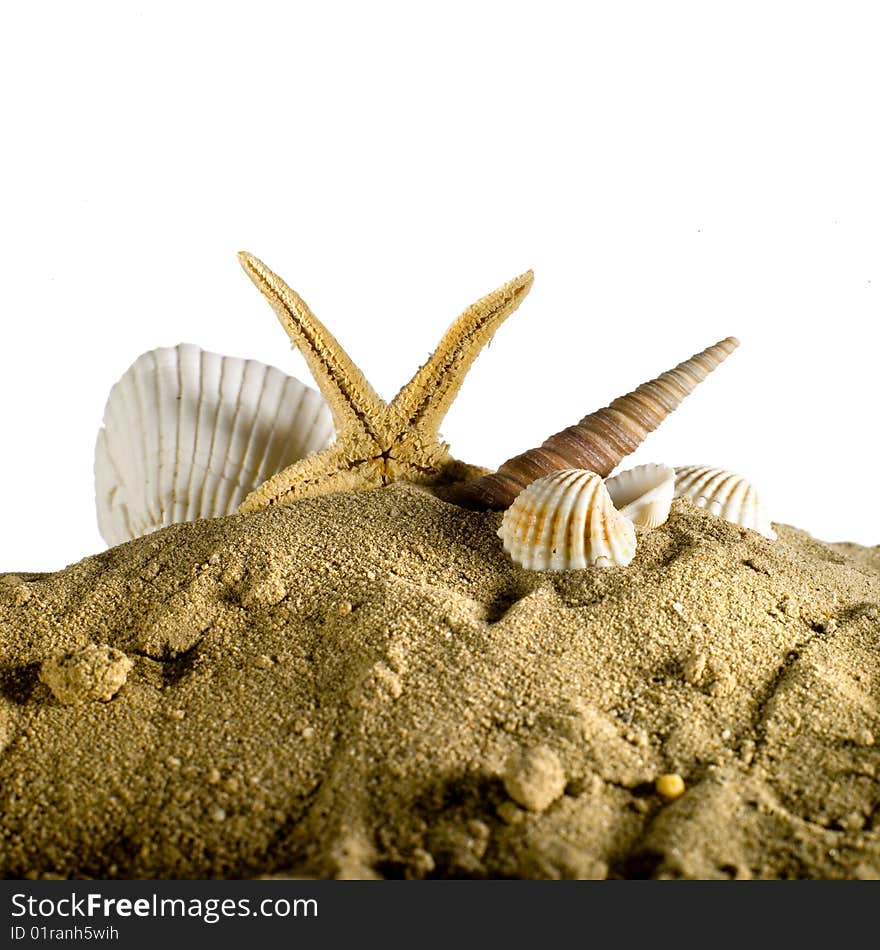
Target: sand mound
(363,685)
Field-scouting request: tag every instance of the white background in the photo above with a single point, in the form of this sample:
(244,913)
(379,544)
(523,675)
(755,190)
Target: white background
(674,173)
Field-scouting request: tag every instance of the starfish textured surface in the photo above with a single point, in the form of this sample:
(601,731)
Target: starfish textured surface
(378,442)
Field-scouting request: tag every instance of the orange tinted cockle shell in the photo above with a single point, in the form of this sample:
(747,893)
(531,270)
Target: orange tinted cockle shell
(564,521)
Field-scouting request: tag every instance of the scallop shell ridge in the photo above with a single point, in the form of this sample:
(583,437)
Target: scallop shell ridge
(188,434)
(564,521)
(725,494)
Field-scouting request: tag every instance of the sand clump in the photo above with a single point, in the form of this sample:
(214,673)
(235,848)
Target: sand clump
(92,672)
(364,685)
(535,779)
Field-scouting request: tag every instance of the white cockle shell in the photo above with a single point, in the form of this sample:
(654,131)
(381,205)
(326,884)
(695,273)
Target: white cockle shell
(188,434)
(564,521)
(643,494)
(725,494)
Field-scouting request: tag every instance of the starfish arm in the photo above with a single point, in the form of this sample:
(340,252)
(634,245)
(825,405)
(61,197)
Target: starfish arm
(330,470)
(426,398)
(354,403)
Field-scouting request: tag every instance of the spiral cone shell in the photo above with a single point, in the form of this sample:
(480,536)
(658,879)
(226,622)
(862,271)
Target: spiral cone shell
(564,521)
(725,494)
(601,440)
(643,494)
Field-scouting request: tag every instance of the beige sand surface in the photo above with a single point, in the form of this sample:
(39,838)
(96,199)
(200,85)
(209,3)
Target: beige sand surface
(363,685)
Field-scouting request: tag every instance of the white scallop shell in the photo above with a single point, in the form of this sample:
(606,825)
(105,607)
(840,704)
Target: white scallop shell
(188,434)
(725,494)
(567,520)
(643,494)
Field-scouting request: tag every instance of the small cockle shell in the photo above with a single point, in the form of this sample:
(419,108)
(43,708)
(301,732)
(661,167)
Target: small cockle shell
(188,434)
(725,494)
(564,521)
(643,494)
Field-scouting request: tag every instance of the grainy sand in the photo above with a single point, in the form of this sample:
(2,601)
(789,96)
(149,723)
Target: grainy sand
(363,685)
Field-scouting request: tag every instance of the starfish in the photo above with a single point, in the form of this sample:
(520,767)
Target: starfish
(378,442)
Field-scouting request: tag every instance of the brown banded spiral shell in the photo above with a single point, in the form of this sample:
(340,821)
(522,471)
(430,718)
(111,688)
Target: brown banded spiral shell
(602,439)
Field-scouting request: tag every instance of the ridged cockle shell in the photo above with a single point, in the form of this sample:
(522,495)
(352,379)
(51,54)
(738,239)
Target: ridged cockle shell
(725,494)
(566,520)
(643,494)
